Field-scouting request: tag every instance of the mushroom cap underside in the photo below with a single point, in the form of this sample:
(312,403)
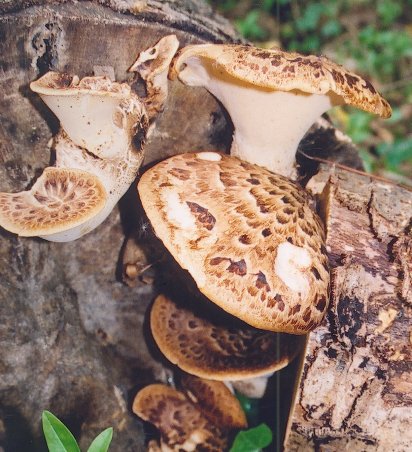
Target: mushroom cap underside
(247,236)
(275,69)
(182,425)
(211,350)
(60,199)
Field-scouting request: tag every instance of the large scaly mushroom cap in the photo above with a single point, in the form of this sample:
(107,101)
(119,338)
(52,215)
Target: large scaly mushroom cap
(182,425)
(215,351)
(60,198)
(247,236)
(272,96)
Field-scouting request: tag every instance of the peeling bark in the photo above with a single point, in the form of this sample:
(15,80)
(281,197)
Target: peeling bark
(356,385)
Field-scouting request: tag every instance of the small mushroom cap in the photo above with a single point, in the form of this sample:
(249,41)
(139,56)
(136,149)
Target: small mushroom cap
(275,69)
(216,401)
(181,424)
(247,236)
(60,199)
(213,351)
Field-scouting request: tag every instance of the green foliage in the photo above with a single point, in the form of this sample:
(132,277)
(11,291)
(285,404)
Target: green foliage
(102,441)
(60,439)
(58,436)
(252,440)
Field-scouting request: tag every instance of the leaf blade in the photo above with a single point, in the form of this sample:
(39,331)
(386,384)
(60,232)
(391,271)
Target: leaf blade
(58,436)
(252,440)
(102,441)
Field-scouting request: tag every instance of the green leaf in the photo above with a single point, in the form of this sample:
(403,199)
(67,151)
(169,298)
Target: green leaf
(102,441)
(252,440)
(58,436)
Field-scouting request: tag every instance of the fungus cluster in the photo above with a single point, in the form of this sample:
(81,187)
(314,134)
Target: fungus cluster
(238,224)
(103,125)
(203,414)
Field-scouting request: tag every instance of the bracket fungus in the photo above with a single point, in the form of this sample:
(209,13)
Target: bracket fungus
(217,351)
(247,236)
(99,149)
(153,67)
(181,423)
(272,96)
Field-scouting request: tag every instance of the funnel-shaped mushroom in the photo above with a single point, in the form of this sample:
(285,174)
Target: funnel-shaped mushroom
(97,114)
(247,236)
(273,97)
(182,425)
(214,351)
(101,125)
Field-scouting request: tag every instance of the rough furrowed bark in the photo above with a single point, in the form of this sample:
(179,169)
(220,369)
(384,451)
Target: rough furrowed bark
(356,384)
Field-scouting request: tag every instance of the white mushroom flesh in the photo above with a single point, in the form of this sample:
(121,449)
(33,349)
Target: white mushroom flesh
(269,124)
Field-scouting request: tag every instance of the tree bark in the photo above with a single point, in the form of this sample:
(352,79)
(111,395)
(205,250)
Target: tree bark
(356,384)
(71,335)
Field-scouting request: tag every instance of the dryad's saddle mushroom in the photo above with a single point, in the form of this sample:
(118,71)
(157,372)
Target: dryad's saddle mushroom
(247,236)
(214,350)
(182,425)
(98,150)
(272,96)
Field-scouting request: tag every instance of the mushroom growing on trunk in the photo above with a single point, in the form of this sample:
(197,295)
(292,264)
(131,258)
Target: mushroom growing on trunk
(99,149)
(199,420)
(220,349)
(272,96)
(247,236)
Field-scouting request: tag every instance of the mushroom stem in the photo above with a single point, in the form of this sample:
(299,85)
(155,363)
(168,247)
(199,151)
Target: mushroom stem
(269,124)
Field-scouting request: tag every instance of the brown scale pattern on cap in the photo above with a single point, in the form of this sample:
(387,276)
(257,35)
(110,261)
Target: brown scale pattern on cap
(232,262)
(216,401)
(60,198)
(180,422)
(279,70)
(210,350)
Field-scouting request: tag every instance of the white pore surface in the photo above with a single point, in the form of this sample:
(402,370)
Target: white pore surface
(268,124)
(178,212)
(290,263)
(92,122)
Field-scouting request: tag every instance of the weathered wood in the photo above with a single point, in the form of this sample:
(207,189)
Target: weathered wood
(356,385)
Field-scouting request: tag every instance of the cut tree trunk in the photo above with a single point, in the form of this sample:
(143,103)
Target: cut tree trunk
(72,334)
(356,385)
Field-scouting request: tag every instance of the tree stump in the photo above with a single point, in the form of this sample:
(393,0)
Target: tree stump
(72,336)
(356,384)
